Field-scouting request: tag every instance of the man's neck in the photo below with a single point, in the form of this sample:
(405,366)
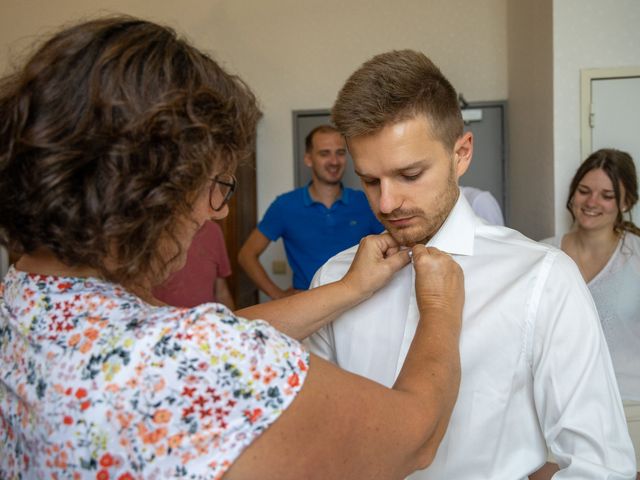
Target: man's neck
(325,193)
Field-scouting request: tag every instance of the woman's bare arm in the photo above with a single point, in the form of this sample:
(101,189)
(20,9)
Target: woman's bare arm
(299,315)
(343,426)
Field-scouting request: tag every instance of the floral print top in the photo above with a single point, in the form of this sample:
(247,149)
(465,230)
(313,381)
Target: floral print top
(96,383)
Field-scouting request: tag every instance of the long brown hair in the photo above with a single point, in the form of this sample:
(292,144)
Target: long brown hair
(620,169)
(106,134)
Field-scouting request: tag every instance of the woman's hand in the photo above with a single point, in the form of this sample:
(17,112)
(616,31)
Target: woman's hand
(439,281)
(378,258)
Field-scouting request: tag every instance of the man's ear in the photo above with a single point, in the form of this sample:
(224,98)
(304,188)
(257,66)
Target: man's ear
(307,160)
(462,153)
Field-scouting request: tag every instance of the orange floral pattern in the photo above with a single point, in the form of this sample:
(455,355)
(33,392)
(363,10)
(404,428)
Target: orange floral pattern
(96,383)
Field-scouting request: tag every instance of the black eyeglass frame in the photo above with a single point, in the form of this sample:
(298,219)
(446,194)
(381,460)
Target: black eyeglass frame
(232,185)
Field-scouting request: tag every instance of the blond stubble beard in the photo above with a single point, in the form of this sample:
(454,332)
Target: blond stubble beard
(429,224)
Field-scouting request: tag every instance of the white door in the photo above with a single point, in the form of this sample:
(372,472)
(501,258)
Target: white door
(615,115)
(610,112)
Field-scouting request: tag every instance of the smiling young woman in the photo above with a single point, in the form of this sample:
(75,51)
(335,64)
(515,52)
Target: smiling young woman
(603,191)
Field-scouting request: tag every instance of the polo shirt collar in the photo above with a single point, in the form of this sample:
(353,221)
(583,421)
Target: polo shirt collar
(344,197)
(457,233)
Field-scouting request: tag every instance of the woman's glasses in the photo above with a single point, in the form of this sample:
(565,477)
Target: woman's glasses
(226,184)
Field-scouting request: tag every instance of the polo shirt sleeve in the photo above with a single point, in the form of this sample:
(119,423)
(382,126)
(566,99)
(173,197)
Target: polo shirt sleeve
(574,386)
(272,224)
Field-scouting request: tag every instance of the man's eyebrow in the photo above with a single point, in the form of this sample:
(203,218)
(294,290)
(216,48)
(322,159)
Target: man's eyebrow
(416,164)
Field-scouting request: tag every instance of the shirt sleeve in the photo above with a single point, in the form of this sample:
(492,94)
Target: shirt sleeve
(272,224)
(487,207)
(553,241)
(235,377)
(575,393)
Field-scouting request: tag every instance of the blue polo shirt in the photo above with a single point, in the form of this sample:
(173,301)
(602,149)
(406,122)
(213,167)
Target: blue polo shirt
(313,233)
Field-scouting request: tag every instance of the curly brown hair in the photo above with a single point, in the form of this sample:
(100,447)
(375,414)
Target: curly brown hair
(395,86)
(106,135)
(621,170)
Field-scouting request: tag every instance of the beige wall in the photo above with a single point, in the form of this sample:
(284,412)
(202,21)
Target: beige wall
(587,34)
(550,42)
(296,54)
(530,67)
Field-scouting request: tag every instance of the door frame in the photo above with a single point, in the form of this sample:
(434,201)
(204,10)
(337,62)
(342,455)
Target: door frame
(236,227)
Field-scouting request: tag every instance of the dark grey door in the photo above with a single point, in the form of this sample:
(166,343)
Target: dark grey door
(303,122)
(486,120)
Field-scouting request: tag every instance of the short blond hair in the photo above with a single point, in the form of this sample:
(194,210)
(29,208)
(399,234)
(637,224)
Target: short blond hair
(395,86)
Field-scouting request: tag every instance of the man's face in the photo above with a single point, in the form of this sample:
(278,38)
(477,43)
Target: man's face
(410,177)
(327,158)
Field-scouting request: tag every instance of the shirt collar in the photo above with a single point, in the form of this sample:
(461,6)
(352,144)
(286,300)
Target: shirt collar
(344,197)
(457,233)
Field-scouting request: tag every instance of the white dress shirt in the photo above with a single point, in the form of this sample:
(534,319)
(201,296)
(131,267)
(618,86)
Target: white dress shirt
(535,367)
